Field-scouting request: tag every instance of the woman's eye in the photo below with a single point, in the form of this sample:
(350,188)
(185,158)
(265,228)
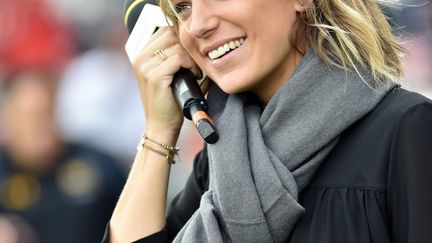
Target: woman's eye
(181,8)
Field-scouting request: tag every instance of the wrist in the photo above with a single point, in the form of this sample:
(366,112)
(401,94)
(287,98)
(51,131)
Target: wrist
(166,150)
(165,136)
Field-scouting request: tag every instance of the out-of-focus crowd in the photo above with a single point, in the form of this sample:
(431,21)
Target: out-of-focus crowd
(70,119)
(71,116)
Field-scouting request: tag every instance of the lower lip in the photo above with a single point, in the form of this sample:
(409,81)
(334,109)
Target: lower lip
(220,62)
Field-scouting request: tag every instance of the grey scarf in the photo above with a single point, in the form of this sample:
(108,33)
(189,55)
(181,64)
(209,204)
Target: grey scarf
(265,157)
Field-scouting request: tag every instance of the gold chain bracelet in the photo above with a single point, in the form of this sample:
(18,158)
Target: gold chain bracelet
(172,149)
(169,152)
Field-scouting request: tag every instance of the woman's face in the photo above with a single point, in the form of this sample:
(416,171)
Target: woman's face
(241,44)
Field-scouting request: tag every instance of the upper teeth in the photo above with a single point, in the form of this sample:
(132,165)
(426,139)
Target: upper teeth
(221,50)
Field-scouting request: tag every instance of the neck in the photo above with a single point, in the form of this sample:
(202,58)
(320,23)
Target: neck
(265,91)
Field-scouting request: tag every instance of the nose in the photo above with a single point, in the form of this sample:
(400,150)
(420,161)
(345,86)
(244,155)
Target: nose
(203,20)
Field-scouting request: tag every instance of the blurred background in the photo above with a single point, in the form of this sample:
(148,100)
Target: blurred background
(70,113)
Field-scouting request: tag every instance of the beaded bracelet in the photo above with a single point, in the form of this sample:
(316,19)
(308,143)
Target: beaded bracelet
(171,149)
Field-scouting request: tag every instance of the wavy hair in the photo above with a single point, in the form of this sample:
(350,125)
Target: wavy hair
(351,34)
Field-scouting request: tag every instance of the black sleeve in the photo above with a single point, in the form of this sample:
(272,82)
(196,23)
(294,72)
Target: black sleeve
(183,205)
(187,201)
(410,177)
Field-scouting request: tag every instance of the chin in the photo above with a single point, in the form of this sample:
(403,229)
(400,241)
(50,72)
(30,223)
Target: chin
(231,89)
(232,85)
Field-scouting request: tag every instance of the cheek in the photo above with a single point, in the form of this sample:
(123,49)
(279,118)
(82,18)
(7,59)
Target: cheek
(187,41)
(277,40)
(183,37)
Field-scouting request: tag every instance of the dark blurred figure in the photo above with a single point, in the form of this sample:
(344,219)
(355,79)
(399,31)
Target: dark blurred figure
(65,192)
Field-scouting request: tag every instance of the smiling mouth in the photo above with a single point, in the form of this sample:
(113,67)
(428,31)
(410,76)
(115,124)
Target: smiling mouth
(225,48)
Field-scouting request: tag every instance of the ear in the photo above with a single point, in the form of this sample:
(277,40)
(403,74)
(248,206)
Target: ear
(301,5)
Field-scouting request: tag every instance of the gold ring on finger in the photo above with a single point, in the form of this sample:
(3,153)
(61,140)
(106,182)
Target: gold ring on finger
(161,53)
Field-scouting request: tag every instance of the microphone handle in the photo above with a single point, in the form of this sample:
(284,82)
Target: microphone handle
(190,98)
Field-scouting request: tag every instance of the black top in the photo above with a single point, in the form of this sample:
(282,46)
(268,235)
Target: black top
(70,203)
(375,186)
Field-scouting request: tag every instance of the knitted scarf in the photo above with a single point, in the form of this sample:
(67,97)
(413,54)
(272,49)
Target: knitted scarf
(266,156)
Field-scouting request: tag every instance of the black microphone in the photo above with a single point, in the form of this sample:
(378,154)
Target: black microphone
(184,86)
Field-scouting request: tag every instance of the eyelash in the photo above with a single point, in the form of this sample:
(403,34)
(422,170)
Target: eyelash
(182,7)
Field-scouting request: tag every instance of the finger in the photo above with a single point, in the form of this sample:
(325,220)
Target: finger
(162,31)
(167,43)
(189,63)
(183,57)
(143,65)
(162,39)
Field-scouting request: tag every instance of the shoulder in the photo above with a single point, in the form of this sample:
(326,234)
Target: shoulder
(400,103)
(369,148)
(408,116)
(405,129)
(393,114)
(409,185)
(411,140)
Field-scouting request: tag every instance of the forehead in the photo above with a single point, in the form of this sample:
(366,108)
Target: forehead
(29,88)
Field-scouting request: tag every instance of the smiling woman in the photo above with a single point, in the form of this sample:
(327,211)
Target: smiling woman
(318,143)
(264,60)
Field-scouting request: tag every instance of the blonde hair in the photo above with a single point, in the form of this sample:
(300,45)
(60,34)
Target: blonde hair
(170,12)
(351,34)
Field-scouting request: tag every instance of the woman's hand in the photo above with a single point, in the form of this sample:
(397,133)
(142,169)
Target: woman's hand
(141,208)
(155,73)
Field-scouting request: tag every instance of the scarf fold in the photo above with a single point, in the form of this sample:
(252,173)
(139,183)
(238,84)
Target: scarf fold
(265,157)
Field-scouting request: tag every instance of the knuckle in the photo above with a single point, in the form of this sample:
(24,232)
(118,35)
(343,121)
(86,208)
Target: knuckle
(178,47)
(177,57)
(151,76)
(141,68)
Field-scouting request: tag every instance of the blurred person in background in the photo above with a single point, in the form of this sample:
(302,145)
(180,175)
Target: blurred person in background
(49,187)
(60,189)
(98,101)
(30,34)
(98,85)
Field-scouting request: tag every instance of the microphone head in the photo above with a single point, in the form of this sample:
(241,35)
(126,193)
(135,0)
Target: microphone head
(132,10)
